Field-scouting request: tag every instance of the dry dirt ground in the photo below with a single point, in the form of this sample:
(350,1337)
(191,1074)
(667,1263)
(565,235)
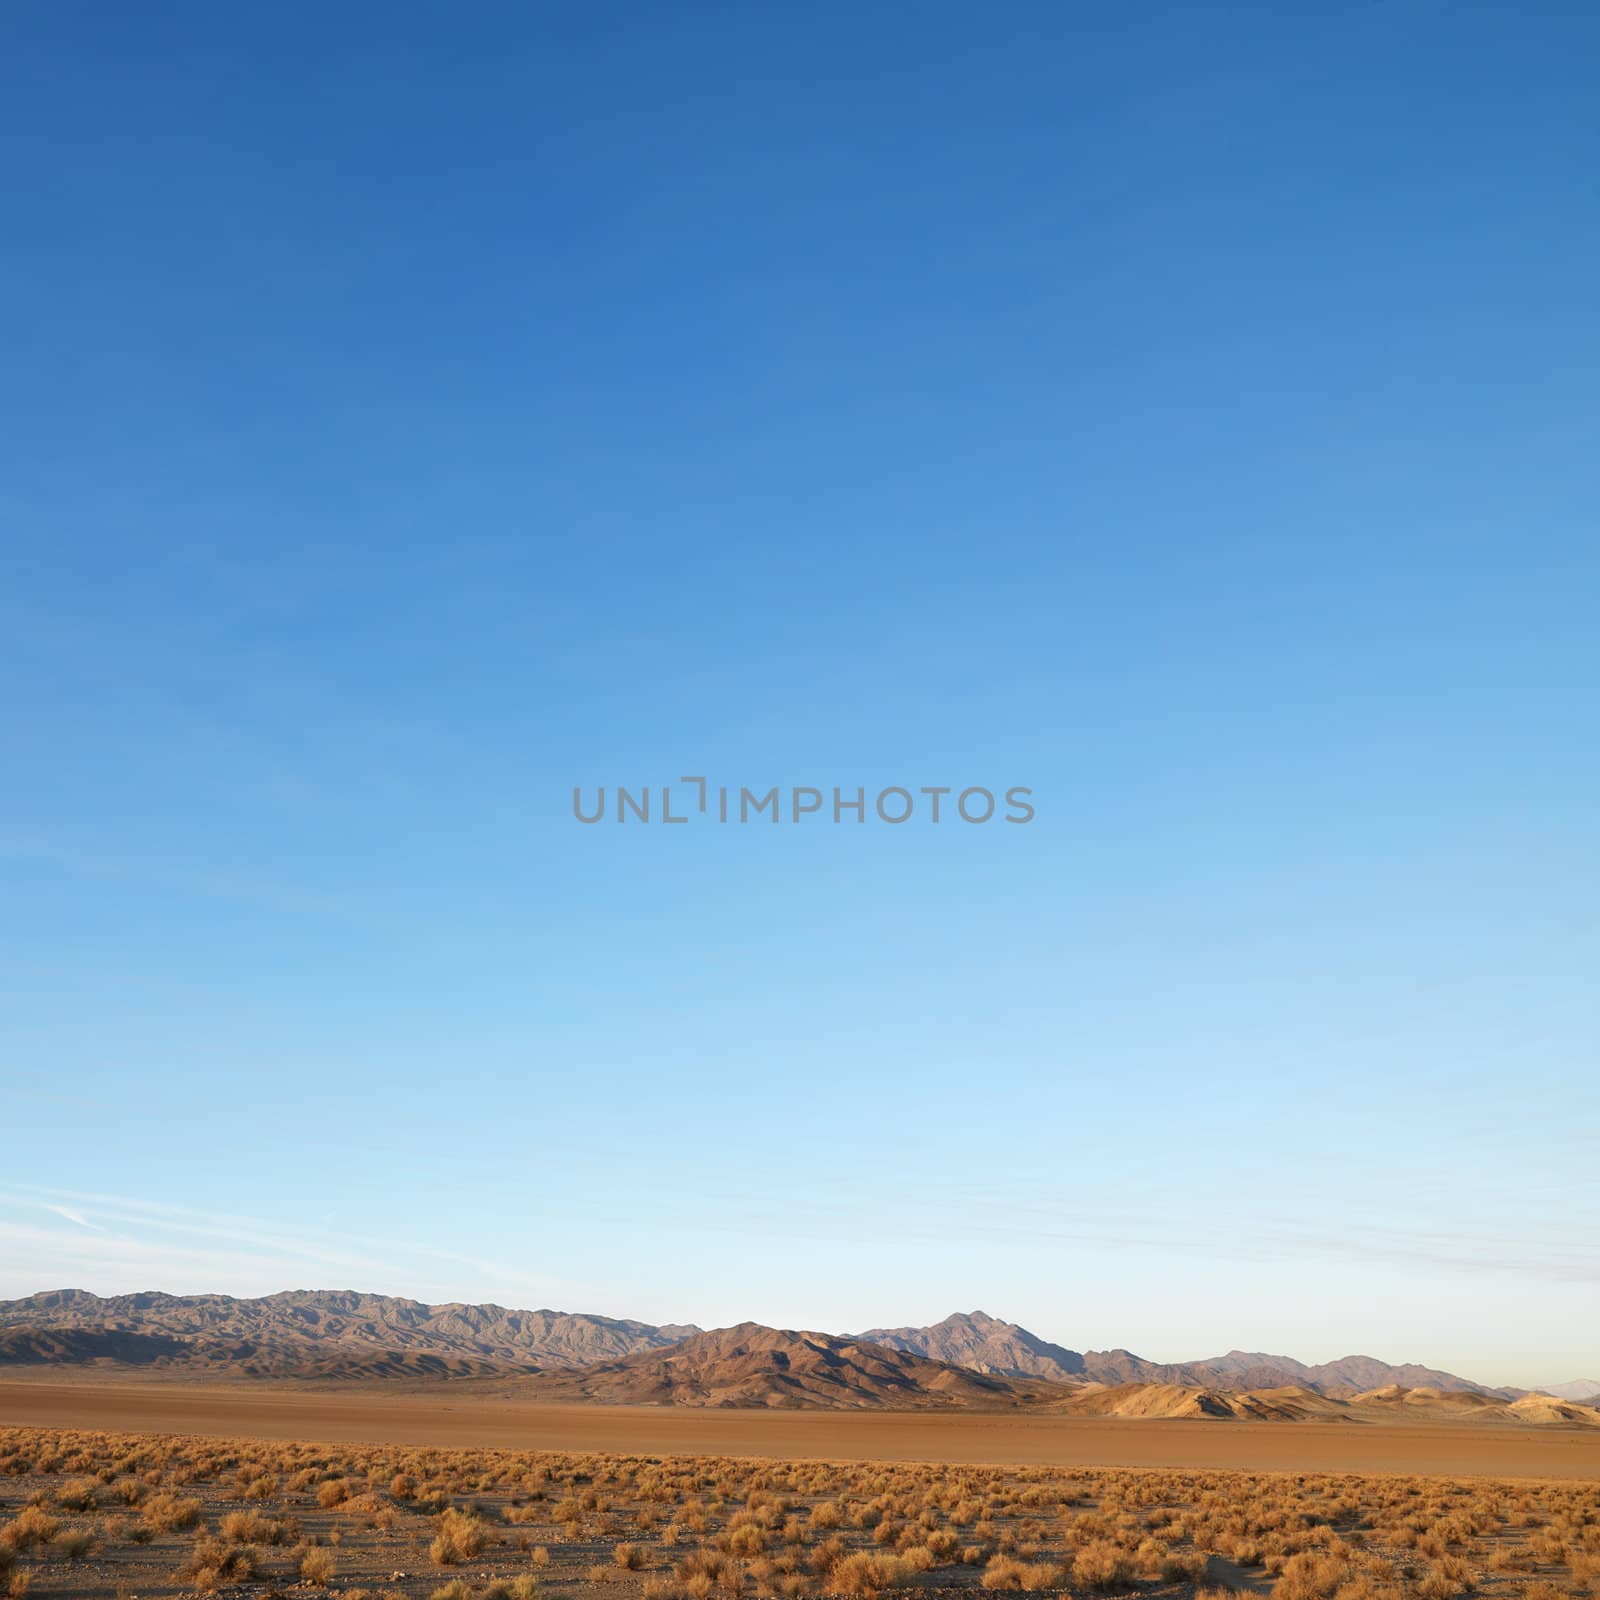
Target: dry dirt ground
(458,1415)
(154,1515)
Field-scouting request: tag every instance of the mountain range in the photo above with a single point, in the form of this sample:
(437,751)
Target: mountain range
(975,1339)
(969,1360)
(305,1328)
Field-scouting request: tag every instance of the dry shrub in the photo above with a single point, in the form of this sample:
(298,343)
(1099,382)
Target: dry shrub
(1003,1572)
(316,1566)
(1187,1566)
(1513,1558)
(1101,1565)
(168,1513)
(459,1538)
(77,1494)
(1445,1579)
(1312,1575)
(29,1530)
(1006,1572)
(73,1544)
(250,1527)
(628,1556)
(867,1573)
(214,1563)
(827,1555)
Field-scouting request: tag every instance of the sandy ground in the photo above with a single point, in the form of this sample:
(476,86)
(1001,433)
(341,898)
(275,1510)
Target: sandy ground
(461,1420)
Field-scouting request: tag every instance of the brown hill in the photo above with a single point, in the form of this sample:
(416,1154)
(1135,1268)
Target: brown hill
(1547,1411)
(751,1365)
(329,1329)
(1429,1404)
(1287,1404)
(1149,1400)
(1394,1403)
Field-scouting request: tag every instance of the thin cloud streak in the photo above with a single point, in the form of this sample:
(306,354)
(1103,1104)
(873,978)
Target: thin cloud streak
(77,1217)
(268,1258)
(236,888)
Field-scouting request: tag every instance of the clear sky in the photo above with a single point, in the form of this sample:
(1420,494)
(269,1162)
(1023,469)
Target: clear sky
(1188,412)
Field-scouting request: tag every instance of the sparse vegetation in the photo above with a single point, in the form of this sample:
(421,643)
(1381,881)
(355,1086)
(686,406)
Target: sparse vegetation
(87,1513)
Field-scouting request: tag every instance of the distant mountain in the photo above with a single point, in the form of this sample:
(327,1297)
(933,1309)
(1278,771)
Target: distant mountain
(1573,1389)
(1353,1373)
(1008,1350)
(987,1344)
(751,1365)
(328,1332)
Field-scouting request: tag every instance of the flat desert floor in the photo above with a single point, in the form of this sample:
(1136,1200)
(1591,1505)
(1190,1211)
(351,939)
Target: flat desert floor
(467,1419)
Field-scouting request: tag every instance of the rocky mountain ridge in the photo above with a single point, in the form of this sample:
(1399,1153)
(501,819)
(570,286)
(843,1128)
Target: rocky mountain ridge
(969,1358)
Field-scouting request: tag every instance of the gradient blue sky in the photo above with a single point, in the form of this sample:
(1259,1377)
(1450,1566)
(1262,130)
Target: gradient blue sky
(1189,412)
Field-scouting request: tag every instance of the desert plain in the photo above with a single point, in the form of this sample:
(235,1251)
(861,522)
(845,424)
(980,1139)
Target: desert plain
(462,1417)
(319,1444)
(177,1490)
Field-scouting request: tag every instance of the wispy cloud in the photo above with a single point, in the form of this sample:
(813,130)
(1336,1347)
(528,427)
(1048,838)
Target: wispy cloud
(73,1215)
(1536,1242)
(130,1243)
(97,864)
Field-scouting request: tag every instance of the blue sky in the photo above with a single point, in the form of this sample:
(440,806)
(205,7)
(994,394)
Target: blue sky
(1187,412)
